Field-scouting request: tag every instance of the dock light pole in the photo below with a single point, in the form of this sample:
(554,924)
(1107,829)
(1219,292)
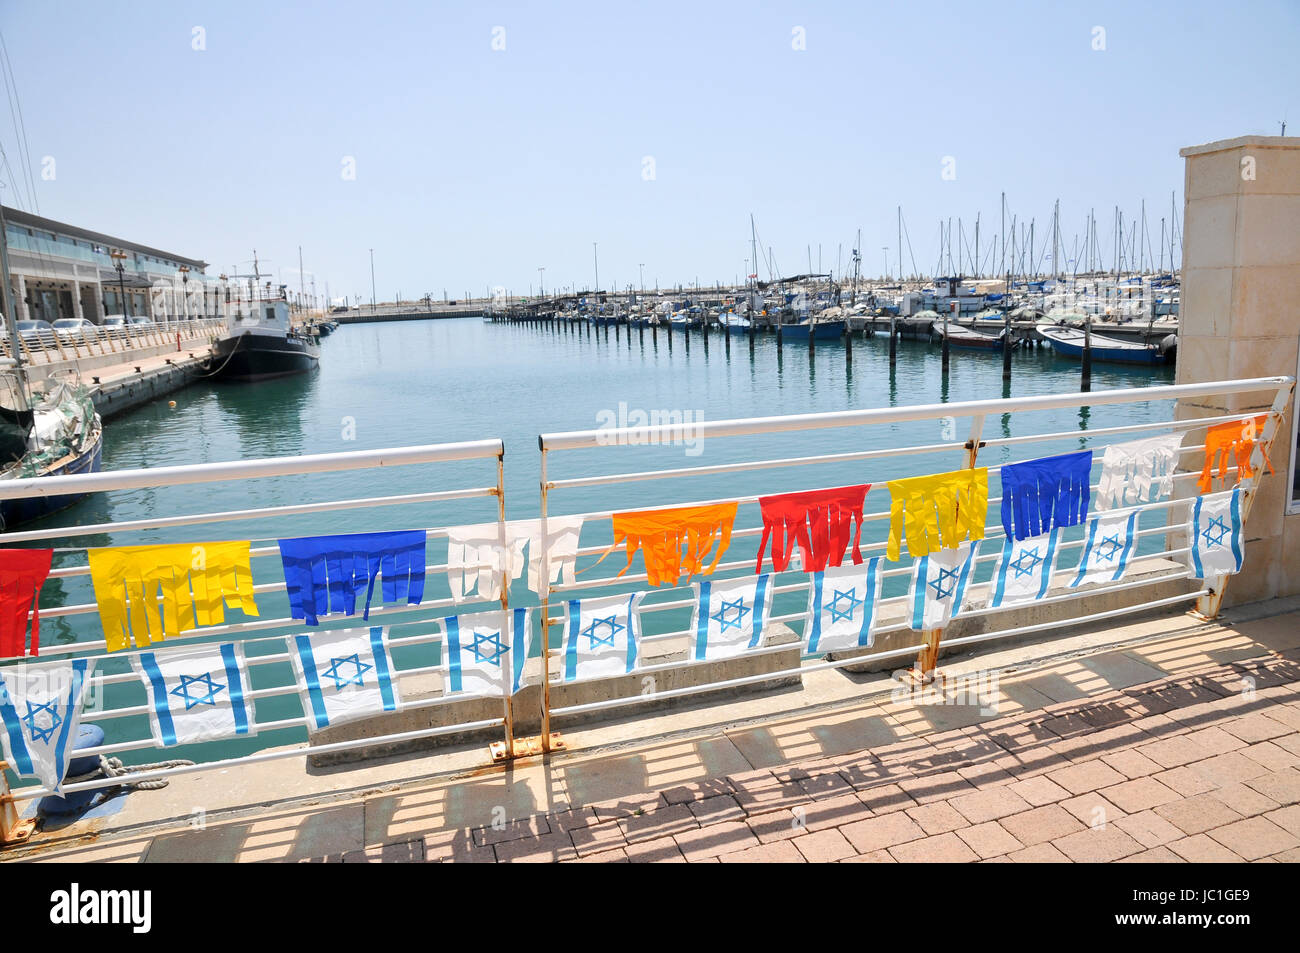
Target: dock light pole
(641,268)
(540,272)
(119,257)
(372,281)
(185,286)
(596,260)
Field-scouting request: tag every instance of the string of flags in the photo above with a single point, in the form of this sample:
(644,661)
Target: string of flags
(147,594)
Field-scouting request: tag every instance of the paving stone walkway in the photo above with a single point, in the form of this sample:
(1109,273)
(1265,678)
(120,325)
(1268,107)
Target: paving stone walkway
(1201,767)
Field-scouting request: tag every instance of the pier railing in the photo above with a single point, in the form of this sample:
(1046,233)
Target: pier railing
(51,347)
(746,459)
(465,476)
(758,468)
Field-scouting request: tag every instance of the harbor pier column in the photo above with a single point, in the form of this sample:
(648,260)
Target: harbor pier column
(1238,318)
(23,308)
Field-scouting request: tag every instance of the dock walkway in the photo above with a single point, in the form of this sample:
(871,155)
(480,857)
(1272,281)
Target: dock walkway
(1166,740)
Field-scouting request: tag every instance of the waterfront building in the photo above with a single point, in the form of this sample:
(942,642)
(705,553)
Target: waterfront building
(65,271)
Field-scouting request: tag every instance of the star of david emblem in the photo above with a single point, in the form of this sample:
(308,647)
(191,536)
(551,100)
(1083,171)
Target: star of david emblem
(1109,548)
(848,598)
(612,628)
(1216,531)
(44,729)
(205,690)
(1026,562)
(945,584)
(737,607)
(338,671)
(495,648)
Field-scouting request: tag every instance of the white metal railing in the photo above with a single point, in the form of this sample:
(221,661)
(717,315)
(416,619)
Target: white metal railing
(880,465)
(268,635)
(51,347)
(748,477)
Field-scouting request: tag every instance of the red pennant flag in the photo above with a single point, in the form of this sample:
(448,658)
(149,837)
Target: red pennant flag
(818,522)
(22,572)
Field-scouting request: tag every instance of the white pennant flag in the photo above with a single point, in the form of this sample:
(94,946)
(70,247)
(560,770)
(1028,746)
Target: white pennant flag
(728,616)
(602,637)
(842,607)
(343,675)
(40,710)
(197,694)
(939,582)
(480,555)
(1139,471)
(1025,570)
(1217,535)
(484,652)
(1107,548)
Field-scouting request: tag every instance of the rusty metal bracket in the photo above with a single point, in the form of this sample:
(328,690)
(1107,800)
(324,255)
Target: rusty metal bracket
(524,747)
(13,830)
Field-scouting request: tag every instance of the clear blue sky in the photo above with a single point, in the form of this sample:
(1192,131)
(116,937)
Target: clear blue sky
(475,166)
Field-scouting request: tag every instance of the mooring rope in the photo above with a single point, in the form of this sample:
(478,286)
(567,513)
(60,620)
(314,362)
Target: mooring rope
(113,768)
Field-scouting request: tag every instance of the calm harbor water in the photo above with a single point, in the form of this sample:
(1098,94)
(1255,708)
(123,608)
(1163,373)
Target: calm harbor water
(403,383)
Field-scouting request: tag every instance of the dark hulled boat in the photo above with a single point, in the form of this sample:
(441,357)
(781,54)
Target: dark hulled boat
(261,344)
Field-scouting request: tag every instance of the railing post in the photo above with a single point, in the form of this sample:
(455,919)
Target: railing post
(544,624)
(13,830)
(1208,606)
(929,655)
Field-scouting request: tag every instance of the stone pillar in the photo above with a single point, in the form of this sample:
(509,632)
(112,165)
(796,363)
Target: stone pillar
(77,311)
(1238,318)
(24,313)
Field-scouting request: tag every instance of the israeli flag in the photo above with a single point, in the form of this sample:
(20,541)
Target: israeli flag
(728,616)
(939,582)
(344,675)
(842,607)
(1025,570)
(485,651)
(1107,547)
(1217,535)
(196,694)
(40,711)
(602,637)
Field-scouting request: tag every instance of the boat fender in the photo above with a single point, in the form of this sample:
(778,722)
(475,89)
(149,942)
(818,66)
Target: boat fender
(1169,344)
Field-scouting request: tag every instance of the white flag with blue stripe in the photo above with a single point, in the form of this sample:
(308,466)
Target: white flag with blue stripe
(842,607)
(343,675)
(728,616)
(1217,535)
(40,710)
(1107,547)
(939,583)
(602,638)
(197,694)
(1025,570)
(484,652)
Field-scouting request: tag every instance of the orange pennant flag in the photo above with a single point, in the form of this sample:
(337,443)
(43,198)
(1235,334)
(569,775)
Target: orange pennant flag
(676,541)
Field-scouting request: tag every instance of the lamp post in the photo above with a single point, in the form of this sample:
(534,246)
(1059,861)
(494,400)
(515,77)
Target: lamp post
(185,288)
(540,274)
(119,257)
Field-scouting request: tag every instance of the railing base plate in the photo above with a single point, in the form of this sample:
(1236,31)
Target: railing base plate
(20,833)
(525,747)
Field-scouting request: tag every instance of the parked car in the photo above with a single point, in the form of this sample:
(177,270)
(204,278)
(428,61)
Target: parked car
(139,322)
(115,320)
(36,333)
(76,330)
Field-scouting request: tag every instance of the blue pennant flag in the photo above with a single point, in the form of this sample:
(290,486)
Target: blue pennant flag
(324,574)
(842,607)
(1218,538)
(1107,547)
(196,694)
(485,652)
(1038,495)
(939,582)
(1025,570)
(728,616)
(40,711)
(344,675)
(602,637)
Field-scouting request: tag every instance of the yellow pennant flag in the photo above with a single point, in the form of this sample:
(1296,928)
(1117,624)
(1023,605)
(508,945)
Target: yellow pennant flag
(193,580)
(938,511)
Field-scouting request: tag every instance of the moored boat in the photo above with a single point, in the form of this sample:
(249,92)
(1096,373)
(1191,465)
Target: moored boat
(1069,342)
(260,344)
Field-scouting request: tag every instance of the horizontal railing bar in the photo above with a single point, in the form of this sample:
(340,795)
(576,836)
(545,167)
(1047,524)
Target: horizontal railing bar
(229,515)
(306,751)
(638,436)
(247,469)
